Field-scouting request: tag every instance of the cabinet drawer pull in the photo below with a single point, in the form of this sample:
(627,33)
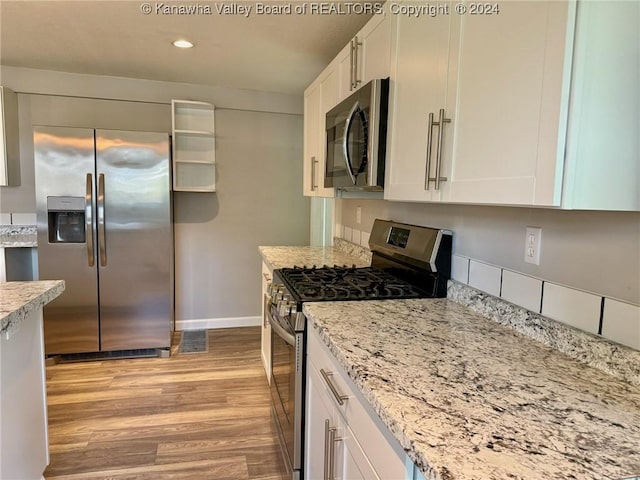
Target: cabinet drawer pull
(327,378)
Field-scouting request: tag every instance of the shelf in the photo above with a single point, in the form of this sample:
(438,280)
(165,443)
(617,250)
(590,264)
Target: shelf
(198,133)
(194,177)
(193,146)
(192,116)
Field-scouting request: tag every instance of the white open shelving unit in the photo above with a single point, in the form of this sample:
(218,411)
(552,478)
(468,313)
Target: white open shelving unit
(194,155)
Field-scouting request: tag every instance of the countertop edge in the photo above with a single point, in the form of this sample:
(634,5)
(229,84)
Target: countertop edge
(18,236)
(34,301)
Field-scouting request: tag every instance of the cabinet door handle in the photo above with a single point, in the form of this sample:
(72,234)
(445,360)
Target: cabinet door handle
(338,396)
(427,178)
(440,124)
(441,121)
(327,447)
(351,65)
(314,162)
(356,44)
(330,440)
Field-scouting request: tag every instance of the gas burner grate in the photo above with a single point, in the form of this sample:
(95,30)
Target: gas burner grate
(346,283)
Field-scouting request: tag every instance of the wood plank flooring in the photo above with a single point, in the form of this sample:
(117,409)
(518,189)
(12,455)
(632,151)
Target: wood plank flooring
(190,416)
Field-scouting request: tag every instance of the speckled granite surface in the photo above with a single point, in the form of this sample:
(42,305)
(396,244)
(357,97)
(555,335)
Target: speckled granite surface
(283,257)
(19,299)
(18,236)
(359,251)
(468,398)
(592,350)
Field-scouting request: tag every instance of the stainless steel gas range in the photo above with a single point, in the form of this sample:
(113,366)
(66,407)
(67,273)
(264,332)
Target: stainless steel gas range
(408,262)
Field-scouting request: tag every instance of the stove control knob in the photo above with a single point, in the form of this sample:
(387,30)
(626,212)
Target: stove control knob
(276,288)
(283,308)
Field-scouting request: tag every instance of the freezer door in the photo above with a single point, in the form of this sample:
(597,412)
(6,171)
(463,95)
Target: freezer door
(65,204)
(135,241)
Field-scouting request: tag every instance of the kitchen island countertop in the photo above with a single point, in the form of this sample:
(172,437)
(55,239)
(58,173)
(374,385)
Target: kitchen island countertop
(468,398)
(19,299)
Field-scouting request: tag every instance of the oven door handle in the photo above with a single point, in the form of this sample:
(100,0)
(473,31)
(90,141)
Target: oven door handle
(282,333)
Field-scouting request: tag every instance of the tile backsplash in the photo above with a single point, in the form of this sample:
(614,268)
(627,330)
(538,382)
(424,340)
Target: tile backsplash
(615,320)
(621,323)
(573,307)
(485,277)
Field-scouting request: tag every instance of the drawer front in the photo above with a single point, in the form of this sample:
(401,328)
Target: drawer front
(381,448)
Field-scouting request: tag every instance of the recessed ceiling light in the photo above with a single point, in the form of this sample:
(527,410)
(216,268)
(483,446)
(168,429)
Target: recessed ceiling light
(182,44)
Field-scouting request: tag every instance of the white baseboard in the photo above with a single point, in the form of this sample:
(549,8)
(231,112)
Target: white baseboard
(211,323)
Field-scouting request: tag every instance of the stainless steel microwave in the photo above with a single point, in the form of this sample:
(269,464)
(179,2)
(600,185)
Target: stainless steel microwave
(357,139)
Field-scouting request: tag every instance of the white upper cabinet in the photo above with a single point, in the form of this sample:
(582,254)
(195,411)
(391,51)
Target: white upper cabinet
(476,105)
(9,140)
(315,98)
(367,56)
(418,88)
(602,170)
(507,106)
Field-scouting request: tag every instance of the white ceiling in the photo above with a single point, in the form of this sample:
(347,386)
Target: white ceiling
(277,53)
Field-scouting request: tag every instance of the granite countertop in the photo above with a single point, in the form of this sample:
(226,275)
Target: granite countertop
(283,257)
(19,299)
(468,398)
(18,236)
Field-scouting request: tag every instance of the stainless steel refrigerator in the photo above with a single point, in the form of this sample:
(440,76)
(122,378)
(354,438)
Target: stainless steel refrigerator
(103,203)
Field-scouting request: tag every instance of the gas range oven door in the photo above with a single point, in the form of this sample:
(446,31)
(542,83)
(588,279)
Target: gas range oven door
(287,387)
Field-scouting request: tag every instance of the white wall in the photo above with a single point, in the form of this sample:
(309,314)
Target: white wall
(259,171)
(258,202)
(598,252)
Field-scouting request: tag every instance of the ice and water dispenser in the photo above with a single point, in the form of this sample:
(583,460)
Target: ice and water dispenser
(66,219)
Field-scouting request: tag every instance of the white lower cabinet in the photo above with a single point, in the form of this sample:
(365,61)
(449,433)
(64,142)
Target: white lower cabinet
(24,441)
(345,439)
(267,275)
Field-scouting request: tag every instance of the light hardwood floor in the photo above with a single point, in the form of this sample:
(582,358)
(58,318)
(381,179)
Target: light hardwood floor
(191,416)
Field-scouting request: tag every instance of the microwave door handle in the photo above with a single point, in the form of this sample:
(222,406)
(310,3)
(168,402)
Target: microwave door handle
(345,140)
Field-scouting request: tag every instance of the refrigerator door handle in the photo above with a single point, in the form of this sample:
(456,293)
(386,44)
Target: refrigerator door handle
(102,240)
(88,218)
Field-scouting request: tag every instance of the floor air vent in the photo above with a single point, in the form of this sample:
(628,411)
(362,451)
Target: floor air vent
(194,341)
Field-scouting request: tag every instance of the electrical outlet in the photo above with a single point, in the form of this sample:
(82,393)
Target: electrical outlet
(533,245)
(358,215)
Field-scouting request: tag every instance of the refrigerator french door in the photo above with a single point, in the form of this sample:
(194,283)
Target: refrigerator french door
(103,204)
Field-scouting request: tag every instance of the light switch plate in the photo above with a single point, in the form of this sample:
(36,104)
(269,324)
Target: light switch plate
(533,245)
